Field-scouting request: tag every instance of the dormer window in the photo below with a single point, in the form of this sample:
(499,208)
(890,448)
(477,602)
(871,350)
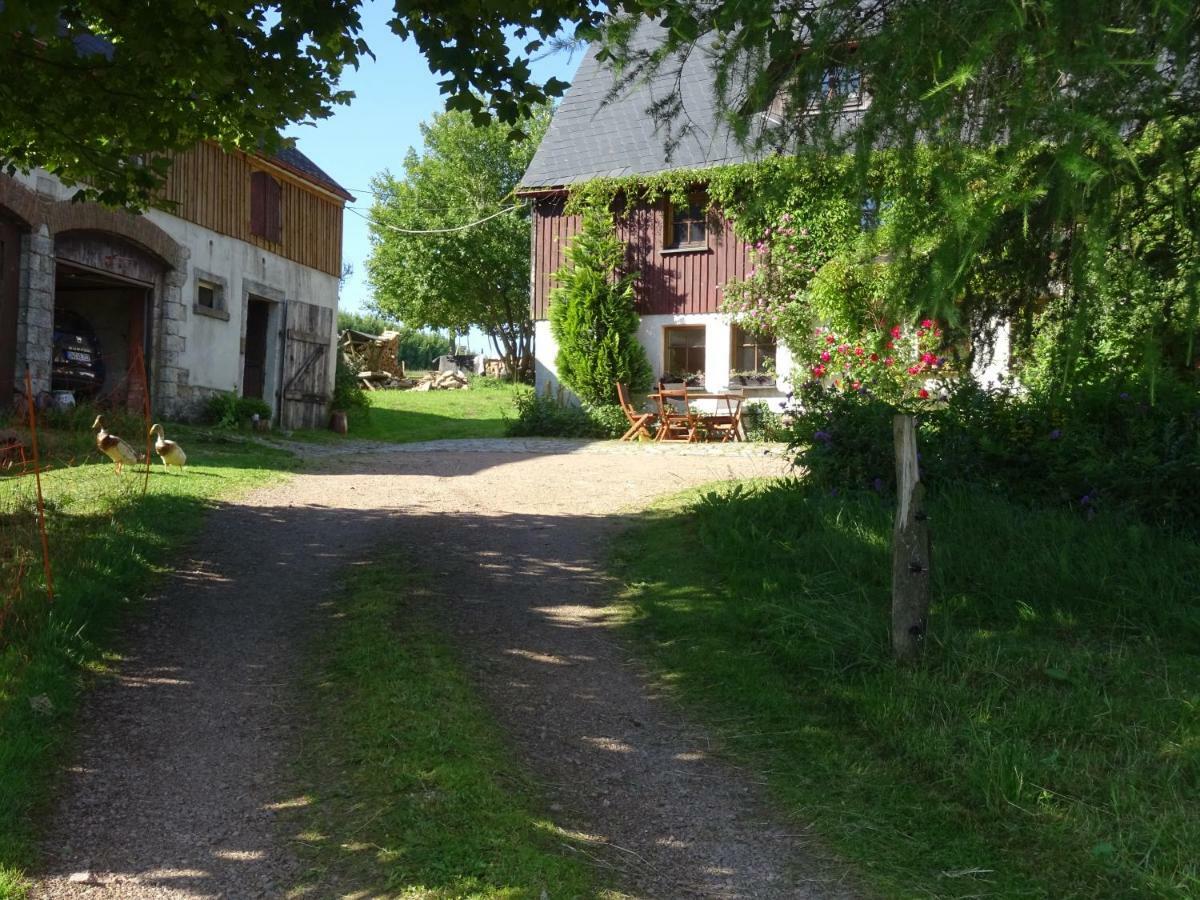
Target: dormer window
(842,85)
(266,215)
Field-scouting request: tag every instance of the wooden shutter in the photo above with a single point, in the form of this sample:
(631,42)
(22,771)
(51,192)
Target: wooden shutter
(266,219)
(258,204)
(274,202)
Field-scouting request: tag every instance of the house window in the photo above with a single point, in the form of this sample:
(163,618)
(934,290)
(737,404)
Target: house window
(753,353)
(842,85)
(868,216)
(684,351)
(687,224)
(266,218)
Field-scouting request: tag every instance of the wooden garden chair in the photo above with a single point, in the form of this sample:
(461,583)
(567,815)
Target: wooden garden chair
(674,425)
(639,422)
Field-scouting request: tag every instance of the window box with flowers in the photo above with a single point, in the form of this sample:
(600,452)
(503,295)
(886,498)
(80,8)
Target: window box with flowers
(752,379)
(677,380)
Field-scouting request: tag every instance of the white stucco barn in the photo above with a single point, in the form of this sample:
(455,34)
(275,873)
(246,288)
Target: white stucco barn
(231,286)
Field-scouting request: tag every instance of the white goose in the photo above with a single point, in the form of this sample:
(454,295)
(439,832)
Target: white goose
(169,452)
(112,446)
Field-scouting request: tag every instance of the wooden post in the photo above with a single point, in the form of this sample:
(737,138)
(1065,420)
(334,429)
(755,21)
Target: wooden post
(910,548)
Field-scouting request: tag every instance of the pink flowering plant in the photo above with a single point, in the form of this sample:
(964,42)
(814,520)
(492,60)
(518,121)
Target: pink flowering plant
(784,258)
(906,367)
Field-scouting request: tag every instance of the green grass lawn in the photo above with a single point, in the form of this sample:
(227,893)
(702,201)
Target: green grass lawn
(406,416)
(1049,746)
(108,544)
(410,790)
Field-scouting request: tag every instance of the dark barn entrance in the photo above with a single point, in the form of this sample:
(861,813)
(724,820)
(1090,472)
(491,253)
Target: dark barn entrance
(254,374)
(99,329)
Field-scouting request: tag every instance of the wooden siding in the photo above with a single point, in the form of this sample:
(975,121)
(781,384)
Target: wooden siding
(212,188)
(670,282)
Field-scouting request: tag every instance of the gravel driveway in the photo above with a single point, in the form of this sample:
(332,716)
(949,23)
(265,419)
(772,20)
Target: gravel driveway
(183,753)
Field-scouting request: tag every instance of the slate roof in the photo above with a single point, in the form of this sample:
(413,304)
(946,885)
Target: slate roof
(292,159)
(589,138)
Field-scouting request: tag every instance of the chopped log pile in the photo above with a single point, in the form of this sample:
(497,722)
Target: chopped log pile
(376,356)
(443,381)
(379,368)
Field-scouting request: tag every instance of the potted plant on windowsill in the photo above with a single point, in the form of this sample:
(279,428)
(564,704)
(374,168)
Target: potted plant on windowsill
(751,379)
(677,380)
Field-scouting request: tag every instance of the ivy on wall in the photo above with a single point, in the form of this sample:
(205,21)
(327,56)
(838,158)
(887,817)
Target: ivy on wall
(856,243)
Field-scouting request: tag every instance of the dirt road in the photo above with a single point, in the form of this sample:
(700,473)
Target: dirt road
(182,762)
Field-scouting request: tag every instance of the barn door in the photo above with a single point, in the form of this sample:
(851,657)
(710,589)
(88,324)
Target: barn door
(306,381)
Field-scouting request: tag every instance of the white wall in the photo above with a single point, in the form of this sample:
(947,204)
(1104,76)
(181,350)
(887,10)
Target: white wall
(213,354)
(718,349)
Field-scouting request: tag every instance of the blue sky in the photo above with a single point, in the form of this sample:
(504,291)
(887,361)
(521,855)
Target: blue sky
(394,94)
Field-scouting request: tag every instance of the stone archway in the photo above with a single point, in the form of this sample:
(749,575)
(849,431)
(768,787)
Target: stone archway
(94,236)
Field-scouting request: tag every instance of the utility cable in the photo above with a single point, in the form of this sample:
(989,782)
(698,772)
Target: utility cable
(399,230)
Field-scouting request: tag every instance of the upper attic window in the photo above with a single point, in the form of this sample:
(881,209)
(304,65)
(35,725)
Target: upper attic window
(266,214)
(842,85)
(687,224)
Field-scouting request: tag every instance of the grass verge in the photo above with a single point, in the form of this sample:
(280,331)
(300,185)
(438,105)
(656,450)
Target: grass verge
(407,416)
(411,791)
(108,544)
(1049,746)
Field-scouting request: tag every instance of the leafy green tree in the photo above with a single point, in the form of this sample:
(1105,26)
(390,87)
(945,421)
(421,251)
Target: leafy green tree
(453,276)
(592,316)
(1055,92)
(102,92)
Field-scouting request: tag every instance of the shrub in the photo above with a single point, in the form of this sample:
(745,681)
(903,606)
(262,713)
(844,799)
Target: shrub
(1105,448)
(543,415)
(228,410)
(592,316)
(348,393)
(762,424)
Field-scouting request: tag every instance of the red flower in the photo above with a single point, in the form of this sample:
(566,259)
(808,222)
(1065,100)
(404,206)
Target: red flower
(888,361)
(895,331)
(858,351)
(874,357)
(928,323)
(890,346)
(825,356)
(843,348)
(923,394)
(857,385)
(818,371)
(928,358)
(830,339)
(914,370)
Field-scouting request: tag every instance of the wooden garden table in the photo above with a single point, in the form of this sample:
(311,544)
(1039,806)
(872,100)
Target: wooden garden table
(727,425)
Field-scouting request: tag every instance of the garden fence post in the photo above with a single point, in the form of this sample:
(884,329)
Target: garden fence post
(37,475)
(910,547)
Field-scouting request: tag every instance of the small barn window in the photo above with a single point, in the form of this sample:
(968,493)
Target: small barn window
(687,224)
(206,295)
(266,217)
(210,296)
